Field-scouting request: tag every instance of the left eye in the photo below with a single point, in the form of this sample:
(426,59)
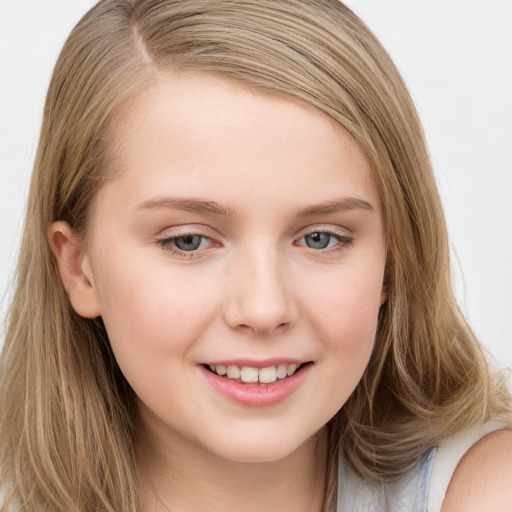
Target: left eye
(320,240)
(187,243)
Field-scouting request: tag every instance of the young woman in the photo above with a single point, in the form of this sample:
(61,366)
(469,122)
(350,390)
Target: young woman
(233,290)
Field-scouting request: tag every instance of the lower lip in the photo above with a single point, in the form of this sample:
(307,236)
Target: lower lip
(257,395)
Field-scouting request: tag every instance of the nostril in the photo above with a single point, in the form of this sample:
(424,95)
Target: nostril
(245,328)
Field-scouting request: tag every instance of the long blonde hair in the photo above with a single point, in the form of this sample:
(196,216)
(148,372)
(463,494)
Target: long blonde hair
(69,420)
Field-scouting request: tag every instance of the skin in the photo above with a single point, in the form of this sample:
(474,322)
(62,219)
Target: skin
(482,478)
(253,289)
(278,172)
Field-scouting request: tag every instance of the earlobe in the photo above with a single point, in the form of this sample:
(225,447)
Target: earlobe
(74,270)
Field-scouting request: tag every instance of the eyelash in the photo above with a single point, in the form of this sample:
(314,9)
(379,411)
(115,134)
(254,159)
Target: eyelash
(168,243)
(343,241)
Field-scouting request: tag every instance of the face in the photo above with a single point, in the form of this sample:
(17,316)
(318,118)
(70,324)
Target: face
(237,263)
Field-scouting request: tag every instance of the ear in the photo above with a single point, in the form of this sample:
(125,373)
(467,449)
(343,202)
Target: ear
(74,270)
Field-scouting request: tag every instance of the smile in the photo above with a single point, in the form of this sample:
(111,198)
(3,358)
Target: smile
(258,384)
(252,375)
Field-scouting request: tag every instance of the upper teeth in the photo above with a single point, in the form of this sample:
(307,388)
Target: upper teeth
(250,374)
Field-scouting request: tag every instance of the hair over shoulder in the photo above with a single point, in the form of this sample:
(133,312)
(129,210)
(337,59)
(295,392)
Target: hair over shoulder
(69,419)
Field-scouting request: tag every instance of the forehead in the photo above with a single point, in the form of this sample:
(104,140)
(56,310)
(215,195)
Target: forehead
(196,130)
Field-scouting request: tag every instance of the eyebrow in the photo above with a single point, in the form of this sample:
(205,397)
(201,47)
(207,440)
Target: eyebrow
(335,206)
(187,205)
(213,208)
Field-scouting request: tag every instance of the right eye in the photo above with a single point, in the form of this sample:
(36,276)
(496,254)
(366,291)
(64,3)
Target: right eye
(190,242)
(184,245)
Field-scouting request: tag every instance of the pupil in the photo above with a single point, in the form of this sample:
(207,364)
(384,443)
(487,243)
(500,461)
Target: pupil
(188,242)
(318,240)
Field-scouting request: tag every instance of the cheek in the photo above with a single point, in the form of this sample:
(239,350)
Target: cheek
(151,313)
(346,307)
(344,316)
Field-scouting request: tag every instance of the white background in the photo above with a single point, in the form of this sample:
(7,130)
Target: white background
(456,57)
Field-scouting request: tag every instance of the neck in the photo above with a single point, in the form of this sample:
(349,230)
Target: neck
(183,477)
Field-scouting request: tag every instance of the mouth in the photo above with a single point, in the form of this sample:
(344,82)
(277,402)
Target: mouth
(256,383)
(254,375)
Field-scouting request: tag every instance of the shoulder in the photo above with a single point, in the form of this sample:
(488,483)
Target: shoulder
(482,478)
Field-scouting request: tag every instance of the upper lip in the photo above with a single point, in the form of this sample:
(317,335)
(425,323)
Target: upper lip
(261,363)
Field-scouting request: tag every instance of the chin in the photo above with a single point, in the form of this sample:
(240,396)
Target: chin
(257,455)
(268,447)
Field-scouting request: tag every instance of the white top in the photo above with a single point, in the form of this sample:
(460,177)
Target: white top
(421,489)
(448,455)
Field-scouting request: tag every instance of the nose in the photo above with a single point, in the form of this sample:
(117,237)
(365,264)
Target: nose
(260,296)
